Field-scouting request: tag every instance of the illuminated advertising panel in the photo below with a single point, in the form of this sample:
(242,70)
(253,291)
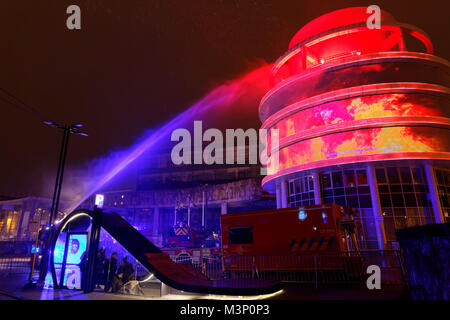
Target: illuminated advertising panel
(70,254)
(364,107)
(367,144)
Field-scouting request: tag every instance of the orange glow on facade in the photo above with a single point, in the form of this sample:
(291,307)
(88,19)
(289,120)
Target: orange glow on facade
(344,93)
(393,140)
(364,107)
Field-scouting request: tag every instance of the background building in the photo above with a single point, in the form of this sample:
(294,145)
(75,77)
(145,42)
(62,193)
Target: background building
(20,218)
(363,120)
(154,194)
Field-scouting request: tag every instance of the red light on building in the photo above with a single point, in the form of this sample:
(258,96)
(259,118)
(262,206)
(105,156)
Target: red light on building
(346,97)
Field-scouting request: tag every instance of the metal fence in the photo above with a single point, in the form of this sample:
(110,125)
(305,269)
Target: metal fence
(18,264)
(308,268)
(15,257)
(311,268)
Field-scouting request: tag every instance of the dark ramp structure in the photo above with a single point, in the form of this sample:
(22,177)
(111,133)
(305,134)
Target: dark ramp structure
(181,277)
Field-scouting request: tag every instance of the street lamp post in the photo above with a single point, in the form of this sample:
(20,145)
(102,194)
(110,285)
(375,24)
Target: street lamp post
(67,130)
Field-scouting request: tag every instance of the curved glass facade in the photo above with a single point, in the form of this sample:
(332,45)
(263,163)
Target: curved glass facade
(362,122)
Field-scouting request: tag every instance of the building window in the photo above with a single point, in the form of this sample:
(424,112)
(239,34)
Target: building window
(349,178)
(301,192)
(380,174)
(346,188)
(403,198)
(337,179)
(350,188)
(362,177)
(417,175)
(443,189)
(326,180)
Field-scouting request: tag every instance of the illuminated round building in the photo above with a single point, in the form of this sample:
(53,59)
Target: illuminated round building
(363,120)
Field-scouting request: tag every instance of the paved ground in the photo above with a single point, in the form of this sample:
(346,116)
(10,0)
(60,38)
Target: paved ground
(13,286)
(301,292)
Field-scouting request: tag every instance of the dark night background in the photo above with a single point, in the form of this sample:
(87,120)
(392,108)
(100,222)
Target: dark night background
(136,63)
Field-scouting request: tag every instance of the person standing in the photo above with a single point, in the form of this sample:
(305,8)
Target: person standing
(82,266)
(110,270)
(126,269)
(99,267)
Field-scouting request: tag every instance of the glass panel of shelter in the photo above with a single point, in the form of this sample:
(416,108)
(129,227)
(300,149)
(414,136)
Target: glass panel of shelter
(140,273)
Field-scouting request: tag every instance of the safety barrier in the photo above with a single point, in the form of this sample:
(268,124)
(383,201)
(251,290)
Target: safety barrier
(307,268)
(15,265)
(16,258)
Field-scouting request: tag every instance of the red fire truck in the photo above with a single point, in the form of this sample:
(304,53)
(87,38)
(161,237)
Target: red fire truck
(291,239)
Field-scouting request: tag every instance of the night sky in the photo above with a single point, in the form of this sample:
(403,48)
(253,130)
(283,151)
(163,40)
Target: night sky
(135,64)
